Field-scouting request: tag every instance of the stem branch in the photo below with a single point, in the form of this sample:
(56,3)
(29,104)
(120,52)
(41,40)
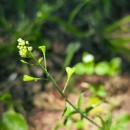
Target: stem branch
(63,95)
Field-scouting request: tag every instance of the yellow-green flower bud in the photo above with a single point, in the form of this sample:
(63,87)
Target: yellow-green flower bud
(30,48)
(20,40)
(27,43)
(24,48)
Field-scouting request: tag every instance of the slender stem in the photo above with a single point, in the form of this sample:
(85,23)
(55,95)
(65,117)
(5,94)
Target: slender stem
(63,95)
(44,56)
(65,85)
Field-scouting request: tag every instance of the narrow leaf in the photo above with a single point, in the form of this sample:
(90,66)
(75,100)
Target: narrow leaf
(66,120)
(72,48)
(64,111)
(80,100)
(88,109)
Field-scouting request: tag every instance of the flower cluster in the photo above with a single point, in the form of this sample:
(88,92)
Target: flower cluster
(24,48)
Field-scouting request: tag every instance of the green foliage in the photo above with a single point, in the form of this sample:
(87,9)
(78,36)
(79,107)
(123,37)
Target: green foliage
(11,120)
(86,19)
(98,90)
(121,122)
(6,97)
(89,67)
(77,10)
(102,68)
(80,100)
(70,53)
(117,34)
(80,124)
(106,123)
(86,66)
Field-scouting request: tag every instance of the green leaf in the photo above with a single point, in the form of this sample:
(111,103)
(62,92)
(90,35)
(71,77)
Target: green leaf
(68,111)
(116,62)
(98,90)
(66,119)
(88,109)
(30,78)
(70,72)
(102,68)
(76,10)
(117,24)
(64,111)
(123,119)
(11,120)
(80,68)
(80,100)
(106,123)
(115,66)
(72,48)
(84,68)
(68,114)
(80,124)
(89,68)
(5,97)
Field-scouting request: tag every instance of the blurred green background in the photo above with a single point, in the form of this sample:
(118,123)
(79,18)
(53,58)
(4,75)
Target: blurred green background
(68,28)
(101,27)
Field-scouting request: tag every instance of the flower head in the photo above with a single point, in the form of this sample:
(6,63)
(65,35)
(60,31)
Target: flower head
(24,48)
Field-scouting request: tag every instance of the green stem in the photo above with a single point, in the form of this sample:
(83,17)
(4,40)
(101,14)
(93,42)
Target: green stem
(63,95)
(75,108)
(65,85)
(44,56)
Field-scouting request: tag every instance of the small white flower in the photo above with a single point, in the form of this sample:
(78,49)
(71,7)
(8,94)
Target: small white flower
(24,48)
(20,40)
(88,58)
